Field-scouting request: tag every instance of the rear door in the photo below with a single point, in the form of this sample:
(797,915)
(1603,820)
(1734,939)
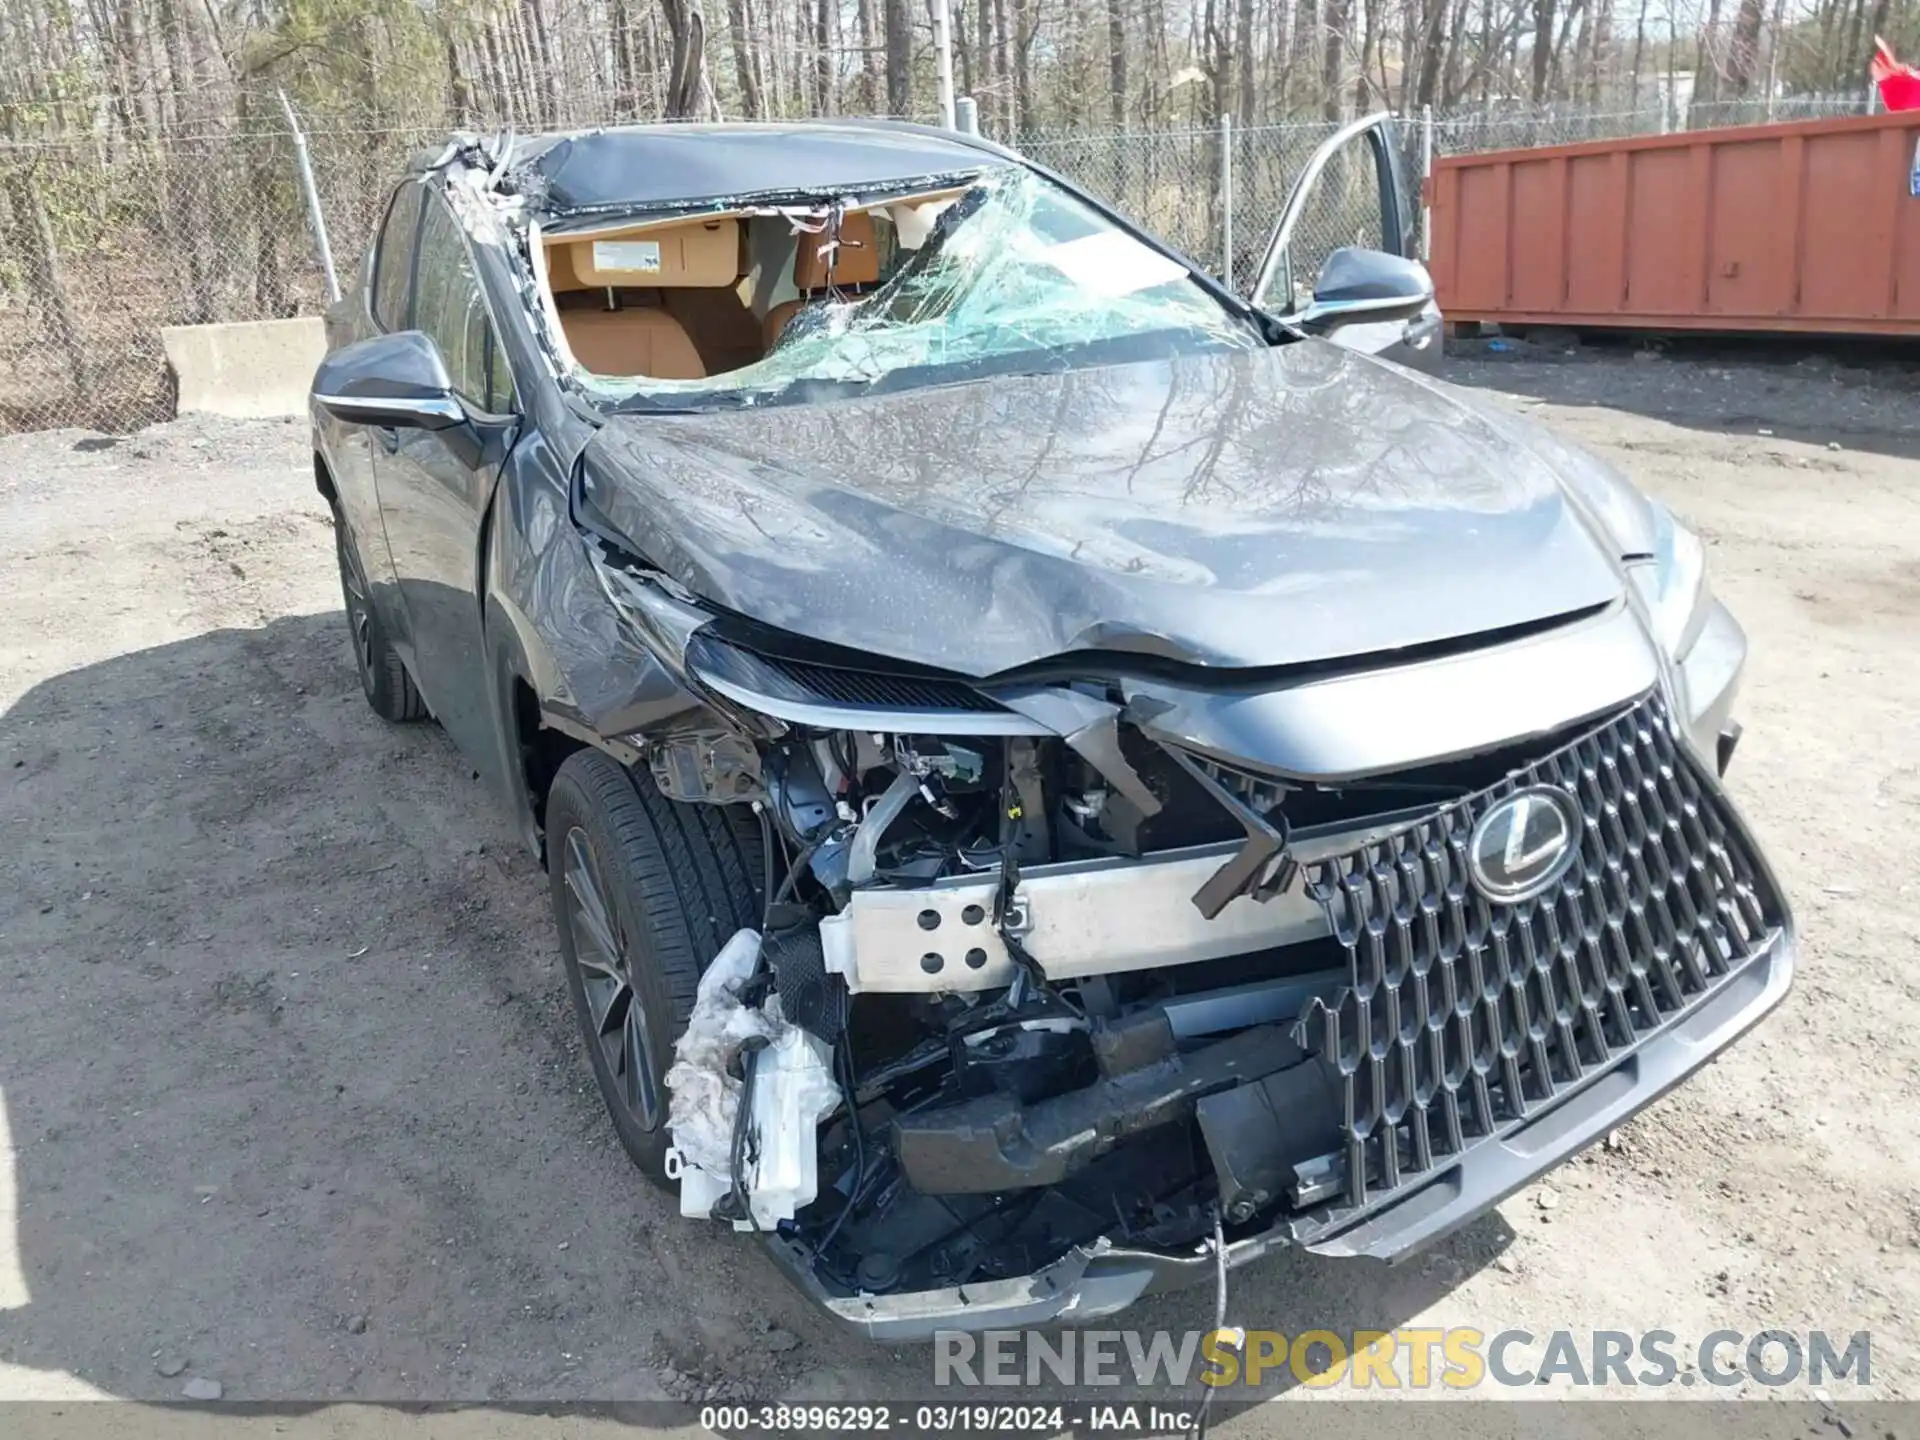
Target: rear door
(435,487)
(1354,193)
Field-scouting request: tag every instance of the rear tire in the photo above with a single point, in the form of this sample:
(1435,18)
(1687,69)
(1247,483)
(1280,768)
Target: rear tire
(645,893)
(383,674)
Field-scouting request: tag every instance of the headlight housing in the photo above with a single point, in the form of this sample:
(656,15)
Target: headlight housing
(1674,583)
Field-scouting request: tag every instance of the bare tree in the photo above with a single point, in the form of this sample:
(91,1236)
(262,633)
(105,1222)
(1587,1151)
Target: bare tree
(746,59)
(688,28)
(899,57)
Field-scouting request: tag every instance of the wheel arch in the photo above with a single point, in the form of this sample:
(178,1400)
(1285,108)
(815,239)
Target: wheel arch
(323,480)
(533,746)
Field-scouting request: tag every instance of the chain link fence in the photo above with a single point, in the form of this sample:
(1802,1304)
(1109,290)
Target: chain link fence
(1213,192)
(104,242)
(1512,126)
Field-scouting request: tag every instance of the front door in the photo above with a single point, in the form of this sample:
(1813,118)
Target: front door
(355,450)
(435,486)
(1350,204)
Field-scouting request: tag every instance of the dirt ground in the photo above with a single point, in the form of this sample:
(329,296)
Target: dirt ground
(291,1099)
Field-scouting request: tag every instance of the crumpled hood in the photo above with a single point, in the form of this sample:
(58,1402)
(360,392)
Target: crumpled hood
(1255,508)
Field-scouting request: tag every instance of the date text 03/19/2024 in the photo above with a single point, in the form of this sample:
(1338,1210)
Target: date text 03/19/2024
(881,1417)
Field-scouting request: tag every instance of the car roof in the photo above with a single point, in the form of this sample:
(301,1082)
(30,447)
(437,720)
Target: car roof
(644,165)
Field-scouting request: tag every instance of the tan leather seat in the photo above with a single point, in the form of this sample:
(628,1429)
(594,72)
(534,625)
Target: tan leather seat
(777,319)
(647,273)
(639,341)
(856,264)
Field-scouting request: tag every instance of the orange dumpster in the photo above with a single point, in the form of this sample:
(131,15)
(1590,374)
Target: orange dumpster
(1807,226)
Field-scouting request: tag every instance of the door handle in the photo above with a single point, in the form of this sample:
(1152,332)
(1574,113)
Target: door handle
(388,437)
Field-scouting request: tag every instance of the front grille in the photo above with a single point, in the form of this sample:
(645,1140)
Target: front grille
(1462,1017)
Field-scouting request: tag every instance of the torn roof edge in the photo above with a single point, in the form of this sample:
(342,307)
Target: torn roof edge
(582,219)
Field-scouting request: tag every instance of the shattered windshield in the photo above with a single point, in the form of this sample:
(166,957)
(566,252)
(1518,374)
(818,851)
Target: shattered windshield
(1010,275)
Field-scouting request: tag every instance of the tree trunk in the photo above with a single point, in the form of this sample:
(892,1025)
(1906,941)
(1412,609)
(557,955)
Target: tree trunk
(1600,56)
(1639,49)
(1707,70)
(192,193)
(869,58)
(745,61)
(1304,58)
(1576,14)
(1369,43)
(499,75)
(533,35)
(1026,18)
(1333,60)
(1245,96)
(459,87)
(33,243)
(1279,53)
(1432,47)
(1743,57)
(899,58)
(962,46)
(1116,64)
(824,99)
(1542,46)
(626,73)
(687,29)
(1003,66)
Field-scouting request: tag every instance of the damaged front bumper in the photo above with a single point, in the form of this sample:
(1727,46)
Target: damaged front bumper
(1458,1049)
(1091,1282)
(1057,1074)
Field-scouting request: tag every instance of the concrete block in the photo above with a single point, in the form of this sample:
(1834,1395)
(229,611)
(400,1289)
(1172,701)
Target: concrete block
(250,369)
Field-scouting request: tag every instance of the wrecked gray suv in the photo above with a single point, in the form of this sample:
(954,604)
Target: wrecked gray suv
(1056,779)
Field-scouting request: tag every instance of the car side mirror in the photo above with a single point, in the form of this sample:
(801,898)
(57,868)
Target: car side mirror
(397,381)
(1370,284)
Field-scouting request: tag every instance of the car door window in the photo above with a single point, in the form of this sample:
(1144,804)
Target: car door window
(393,259)
(448,306)
(1348,195)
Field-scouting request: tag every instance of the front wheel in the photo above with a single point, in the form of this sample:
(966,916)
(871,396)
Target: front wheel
(645,893)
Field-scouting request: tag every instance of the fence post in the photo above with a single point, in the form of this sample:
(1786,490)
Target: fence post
(1426,183)
(966,115)
(1226,201)
(315,219)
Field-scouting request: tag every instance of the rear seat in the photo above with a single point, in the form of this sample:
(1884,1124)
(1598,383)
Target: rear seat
(857,264)
(638,341)
(618,296)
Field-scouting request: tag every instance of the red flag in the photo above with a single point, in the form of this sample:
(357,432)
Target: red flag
(1899,84)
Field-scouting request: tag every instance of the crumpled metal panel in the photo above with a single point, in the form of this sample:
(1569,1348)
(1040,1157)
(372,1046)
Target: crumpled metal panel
(1219,509)
(1462,1018)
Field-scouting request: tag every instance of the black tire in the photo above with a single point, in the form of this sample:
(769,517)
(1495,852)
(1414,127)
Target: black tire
(676,882)
(383,674)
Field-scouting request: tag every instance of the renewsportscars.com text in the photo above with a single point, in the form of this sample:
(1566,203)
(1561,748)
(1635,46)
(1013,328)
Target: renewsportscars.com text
(1456,1358)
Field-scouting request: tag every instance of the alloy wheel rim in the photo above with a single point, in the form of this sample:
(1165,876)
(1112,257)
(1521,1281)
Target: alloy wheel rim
(616,1017)
(359,609)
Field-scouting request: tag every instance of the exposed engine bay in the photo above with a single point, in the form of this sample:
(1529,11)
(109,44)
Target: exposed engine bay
(988,1111)
(1023,995)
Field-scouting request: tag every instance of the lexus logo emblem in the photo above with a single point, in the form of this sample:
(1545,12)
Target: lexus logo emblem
(1524,844)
